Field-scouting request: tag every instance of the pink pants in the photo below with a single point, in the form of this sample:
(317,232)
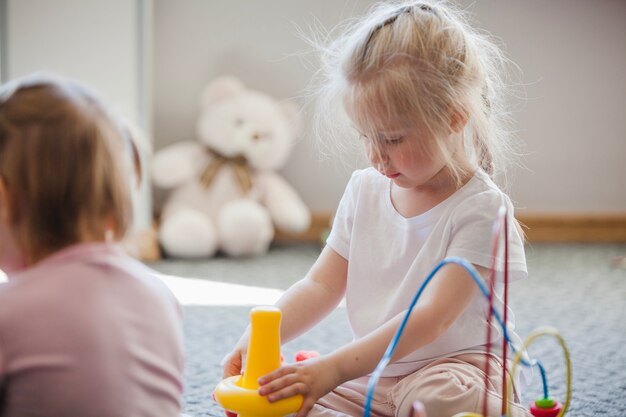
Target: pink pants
(446,386)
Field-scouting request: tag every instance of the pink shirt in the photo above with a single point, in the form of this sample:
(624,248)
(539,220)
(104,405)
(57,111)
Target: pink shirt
(89,331)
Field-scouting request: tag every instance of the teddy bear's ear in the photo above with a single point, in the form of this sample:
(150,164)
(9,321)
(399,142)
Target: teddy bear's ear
(220,89)
(293,114)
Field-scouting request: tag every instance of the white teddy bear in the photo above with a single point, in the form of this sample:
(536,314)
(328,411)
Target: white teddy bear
(225,192)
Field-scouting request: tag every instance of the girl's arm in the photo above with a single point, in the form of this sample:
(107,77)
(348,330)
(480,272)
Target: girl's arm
(315,296)
(444,300)
(303,305)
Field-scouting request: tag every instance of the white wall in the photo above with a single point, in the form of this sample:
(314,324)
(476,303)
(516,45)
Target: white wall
(571,52)
(573,120)
(94,41)
(3,38)
(101,43)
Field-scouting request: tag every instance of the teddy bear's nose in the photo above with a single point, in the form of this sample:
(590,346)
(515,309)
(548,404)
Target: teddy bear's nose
(258,135)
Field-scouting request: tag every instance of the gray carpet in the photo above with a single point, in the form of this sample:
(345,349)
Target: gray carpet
(573,288)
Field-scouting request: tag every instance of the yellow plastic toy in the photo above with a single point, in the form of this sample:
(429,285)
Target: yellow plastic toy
(239,393)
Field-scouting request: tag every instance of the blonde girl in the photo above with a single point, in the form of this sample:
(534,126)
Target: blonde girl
(420,87)
(84,329)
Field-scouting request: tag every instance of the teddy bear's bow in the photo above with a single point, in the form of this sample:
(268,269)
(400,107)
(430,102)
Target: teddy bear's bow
(239,165)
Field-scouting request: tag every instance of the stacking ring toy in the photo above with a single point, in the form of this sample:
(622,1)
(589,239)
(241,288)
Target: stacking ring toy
(239,393)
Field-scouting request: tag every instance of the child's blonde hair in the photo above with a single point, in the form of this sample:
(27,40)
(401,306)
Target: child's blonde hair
(62,163)
(424,64)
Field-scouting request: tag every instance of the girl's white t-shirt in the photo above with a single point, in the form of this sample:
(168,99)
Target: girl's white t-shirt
(389,256)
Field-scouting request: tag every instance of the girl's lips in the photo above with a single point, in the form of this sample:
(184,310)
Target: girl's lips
(388,174)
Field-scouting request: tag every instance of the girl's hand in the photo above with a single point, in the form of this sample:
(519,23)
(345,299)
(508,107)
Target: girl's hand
(232,365)
(233,362)
(312,379)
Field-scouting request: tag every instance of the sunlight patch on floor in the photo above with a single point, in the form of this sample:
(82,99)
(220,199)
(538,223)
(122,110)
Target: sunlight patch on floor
(193,291)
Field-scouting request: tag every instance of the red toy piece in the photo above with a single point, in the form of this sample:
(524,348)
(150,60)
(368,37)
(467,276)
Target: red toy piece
(545,408)
(303,355)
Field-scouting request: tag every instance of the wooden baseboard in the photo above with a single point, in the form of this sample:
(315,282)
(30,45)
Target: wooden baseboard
(320,224)
(570,227)
(539,227)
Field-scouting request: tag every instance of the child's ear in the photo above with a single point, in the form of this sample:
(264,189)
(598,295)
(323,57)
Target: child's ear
(5,213)
(458,120)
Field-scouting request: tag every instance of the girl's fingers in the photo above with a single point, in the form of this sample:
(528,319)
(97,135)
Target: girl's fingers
(286,392)
(278,373)
(278,384)
(231,369)
(232,364)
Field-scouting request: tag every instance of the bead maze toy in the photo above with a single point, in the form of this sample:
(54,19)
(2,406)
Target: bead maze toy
(239,393)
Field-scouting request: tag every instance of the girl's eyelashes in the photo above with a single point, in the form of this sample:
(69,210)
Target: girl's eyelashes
(394,141)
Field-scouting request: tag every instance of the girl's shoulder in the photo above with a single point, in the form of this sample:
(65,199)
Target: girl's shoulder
(480,187)
(481,195)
